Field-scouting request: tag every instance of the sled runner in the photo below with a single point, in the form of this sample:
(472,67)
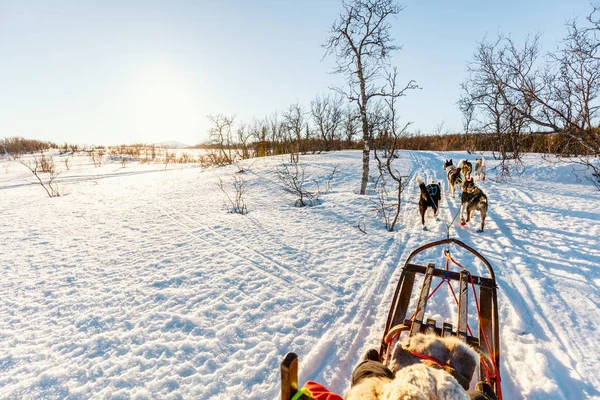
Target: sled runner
(480,290)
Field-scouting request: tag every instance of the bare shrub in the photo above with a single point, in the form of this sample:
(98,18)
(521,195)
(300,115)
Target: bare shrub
(361,226)
(185,158)
(235,202)
(170,157)
(67,162)
(46,164)
(306,190)
(50,186)
(97,156)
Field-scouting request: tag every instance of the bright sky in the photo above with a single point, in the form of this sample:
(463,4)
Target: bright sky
(111,72)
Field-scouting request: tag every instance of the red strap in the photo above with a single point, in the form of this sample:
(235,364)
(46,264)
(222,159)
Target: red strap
(320,392)
(424,357)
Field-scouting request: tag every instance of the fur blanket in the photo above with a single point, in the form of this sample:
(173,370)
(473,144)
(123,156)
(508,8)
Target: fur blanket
(422,379)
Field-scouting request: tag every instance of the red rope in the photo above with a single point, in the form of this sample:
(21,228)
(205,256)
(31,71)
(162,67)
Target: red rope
(424,357)
(428,297)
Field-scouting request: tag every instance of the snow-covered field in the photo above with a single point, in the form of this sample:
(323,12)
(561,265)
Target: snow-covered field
(139,284)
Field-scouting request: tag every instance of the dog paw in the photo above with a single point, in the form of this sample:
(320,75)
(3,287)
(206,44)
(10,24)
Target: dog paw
(437,219)
(424,228)
(479,230)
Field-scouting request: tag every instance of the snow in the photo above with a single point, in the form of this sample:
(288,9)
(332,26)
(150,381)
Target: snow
(139,284)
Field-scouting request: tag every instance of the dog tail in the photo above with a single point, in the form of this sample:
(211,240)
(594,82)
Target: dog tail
(421,185)
(482,161)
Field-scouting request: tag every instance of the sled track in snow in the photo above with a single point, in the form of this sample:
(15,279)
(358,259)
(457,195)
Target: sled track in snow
(280,273)
(366,312)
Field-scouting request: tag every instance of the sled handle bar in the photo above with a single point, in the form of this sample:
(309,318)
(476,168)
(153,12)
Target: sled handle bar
(459,243)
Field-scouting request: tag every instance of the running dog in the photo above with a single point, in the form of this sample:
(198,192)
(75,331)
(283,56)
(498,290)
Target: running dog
(430,197)
(473,199)
(480,168)
(466,168)
(454,178)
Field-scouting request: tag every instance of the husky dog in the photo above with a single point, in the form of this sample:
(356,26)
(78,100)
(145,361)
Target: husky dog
(480,168)
(473,199)
(421,367)
(466,167)
(430,197)
(454,178)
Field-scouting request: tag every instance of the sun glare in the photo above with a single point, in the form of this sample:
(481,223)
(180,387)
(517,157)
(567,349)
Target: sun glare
(162,105)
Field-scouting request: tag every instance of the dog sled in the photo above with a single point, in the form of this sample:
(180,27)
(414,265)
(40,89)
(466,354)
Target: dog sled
(407,316)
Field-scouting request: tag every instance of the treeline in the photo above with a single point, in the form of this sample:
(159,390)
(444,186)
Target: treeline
(536,142)
(16,146)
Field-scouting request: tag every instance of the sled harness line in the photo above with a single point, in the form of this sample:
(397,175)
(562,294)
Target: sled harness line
(448,226)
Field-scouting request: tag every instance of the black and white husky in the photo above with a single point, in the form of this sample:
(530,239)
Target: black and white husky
(480,168)
(454,177)
(430,197)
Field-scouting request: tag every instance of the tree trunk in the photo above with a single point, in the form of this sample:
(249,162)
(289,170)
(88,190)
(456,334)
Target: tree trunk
(365,129)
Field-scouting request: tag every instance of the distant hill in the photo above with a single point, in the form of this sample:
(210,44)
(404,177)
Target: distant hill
(172,144)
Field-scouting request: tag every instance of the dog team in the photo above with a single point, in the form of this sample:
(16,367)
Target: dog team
(459,179)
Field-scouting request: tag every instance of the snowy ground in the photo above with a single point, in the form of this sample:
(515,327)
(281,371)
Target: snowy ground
(139,284)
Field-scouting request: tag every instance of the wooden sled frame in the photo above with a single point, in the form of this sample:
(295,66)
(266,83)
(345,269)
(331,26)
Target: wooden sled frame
(487,340)
(289,377)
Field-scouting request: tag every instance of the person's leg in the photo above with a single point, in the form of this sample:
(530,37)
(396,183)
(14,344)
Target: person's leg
(369,367)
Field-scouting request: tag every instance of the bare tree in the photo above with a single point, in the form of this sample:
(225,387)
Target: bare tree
(294,120)
(361,43)
(555,93)
(276,133)
(326,113)
(562,95)
(220,135)
(395,131)
(489,97)
(350,121)
(243,137)
(467,107)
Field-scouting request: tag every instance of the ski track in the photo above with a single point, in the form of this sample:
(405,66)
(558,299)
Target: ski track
(154,290)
